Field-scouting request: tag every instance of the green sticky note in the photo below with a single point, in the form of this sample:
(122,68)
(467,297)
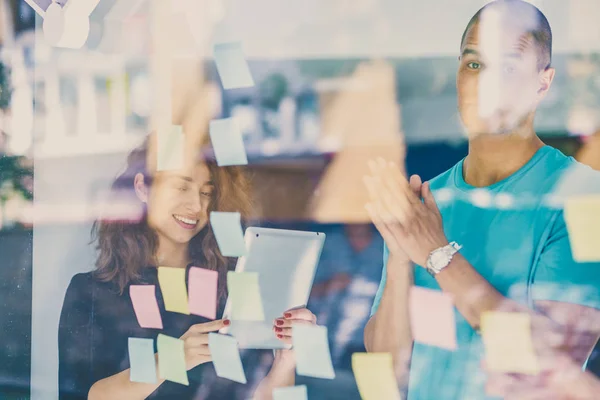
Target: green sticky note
(171,359)
(174,291)
(171,143)
(142,364)
(244,293)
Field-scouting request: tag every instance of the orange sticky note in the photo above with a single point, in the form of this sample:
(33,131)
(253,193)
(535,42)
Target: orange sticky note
(202,294)
(174,291)
(145,306)
(432,318)
(508,343)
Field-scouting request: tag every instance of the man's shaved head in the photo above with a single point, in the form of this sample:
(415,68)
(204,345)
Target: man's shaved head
(523,13)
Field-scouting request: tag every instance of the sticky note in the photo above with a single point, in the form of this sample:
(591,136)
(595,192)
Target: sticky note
(170,144)
(374,374)
(142,364)
(244,294)
(228,232)
(290,393)
(145,306)
(226,357)
(508,343)
(227,142)
(582,216)
(432,318)
(171,359)
(202,294)
(174,292)
(312,351)
(232,66)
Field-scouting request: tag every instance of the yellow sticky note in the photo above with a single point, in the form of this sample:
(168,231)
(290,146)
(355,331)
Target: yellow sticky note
(582,216)
(374,374)
(174,291)
(508,343)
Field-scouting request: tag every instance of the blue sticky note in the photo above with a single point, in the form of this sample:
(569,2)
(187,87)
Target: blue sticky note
(232,66)
(226,357)
(142,364)
(171,359)
(290,393)
(228,232)
(227,142)
(312,351)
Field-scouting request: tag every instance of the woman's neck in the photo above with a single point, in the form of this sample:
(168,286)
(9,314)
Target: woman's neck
(494,158)
(174,255)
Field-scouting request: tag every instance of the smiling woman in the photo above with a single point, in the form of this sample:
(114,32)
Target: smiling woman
(98,317)
(171,200)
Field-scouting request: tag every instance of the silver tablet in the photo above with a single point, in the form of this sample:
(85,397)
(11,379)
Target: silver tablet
(286,262)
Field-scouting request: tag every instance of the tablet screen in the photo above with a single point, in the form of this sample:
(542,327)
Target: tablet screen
(286,262)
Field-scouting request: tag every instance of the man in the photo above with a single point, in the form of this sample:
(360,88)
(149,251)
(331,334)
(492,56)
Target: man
(494,203)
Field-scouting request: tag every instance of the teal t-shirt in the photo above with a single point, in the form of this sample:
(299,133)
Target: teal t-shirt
(513,233)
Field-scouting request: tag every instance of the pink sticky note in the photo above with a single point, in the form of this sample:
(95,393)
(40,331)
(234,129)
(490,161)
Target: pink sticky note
(432,318)
(145,306)
(202,292)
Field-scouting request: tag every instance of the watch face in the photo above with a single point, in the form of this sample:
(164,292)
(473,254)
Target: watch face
(439,259)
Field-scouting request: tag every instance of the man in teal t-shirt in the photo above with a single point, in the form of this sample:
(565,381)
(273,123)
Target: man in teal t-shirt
(503,204)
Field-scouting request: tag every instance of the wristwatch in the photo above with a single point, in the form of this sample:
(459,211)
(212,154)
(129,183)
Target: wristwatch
(440,258)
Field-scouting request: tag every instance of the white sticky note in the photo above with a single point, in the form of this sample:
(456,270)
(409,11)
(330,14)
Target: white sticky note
(171,144)
(311,348)
(582,216)
(508,344)
(244,293)
(232,66)
(290,393)
(227,227)
(226,357)
(142,364)
(227,142)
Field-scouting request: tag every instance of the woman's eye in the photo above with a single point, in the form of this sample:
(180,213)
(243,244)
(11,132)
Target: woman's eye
(474,65)
(207,194)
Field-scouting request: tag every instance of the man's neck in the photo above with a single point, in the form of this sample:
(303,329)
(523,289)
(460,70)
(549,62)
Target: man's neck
(172,254)
(494,158)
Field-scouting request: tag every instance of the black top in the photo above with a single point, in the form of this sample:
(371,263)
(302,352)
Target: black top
(95,324)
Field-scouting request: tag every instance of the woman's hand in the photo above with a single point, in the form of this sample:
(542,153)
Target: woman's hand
(283,330)
(196,342)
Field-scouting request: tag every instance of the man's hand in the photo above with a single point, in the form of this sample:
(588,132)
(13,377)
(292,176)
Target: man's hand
(407,224)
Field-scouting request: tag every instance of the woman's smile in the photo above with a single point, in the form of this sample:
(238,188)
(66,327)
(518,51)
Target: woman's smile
(185,222)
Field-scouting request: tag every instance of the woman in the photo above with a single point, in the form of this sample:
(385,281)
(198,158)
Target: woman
(98,317)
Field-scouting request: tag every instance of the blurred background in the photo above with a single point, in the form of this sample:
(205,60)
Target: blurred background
(337,83)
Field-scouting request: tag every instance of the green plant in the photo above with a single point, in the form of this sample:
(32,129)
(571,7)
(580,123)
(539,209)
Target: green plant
(5,87)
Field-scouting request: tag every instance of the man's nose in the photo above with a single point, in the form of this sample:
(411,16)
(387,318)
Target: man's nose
(491,92)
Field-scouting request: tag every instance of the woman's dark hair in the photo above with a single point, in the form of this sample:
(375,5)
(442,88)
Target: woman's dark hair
(124,247)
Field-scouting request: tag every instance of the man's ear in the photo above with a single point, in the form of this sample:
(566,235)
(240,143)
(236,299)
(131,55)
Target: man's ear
(140,187)
(546,78)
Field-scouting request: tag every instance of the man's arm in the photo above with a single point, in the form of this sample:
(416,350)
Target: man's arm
(419,231)
(388,329)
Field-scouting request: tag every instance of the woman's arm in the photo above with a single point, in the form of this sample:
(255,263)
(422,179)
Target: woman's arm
(282,374)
